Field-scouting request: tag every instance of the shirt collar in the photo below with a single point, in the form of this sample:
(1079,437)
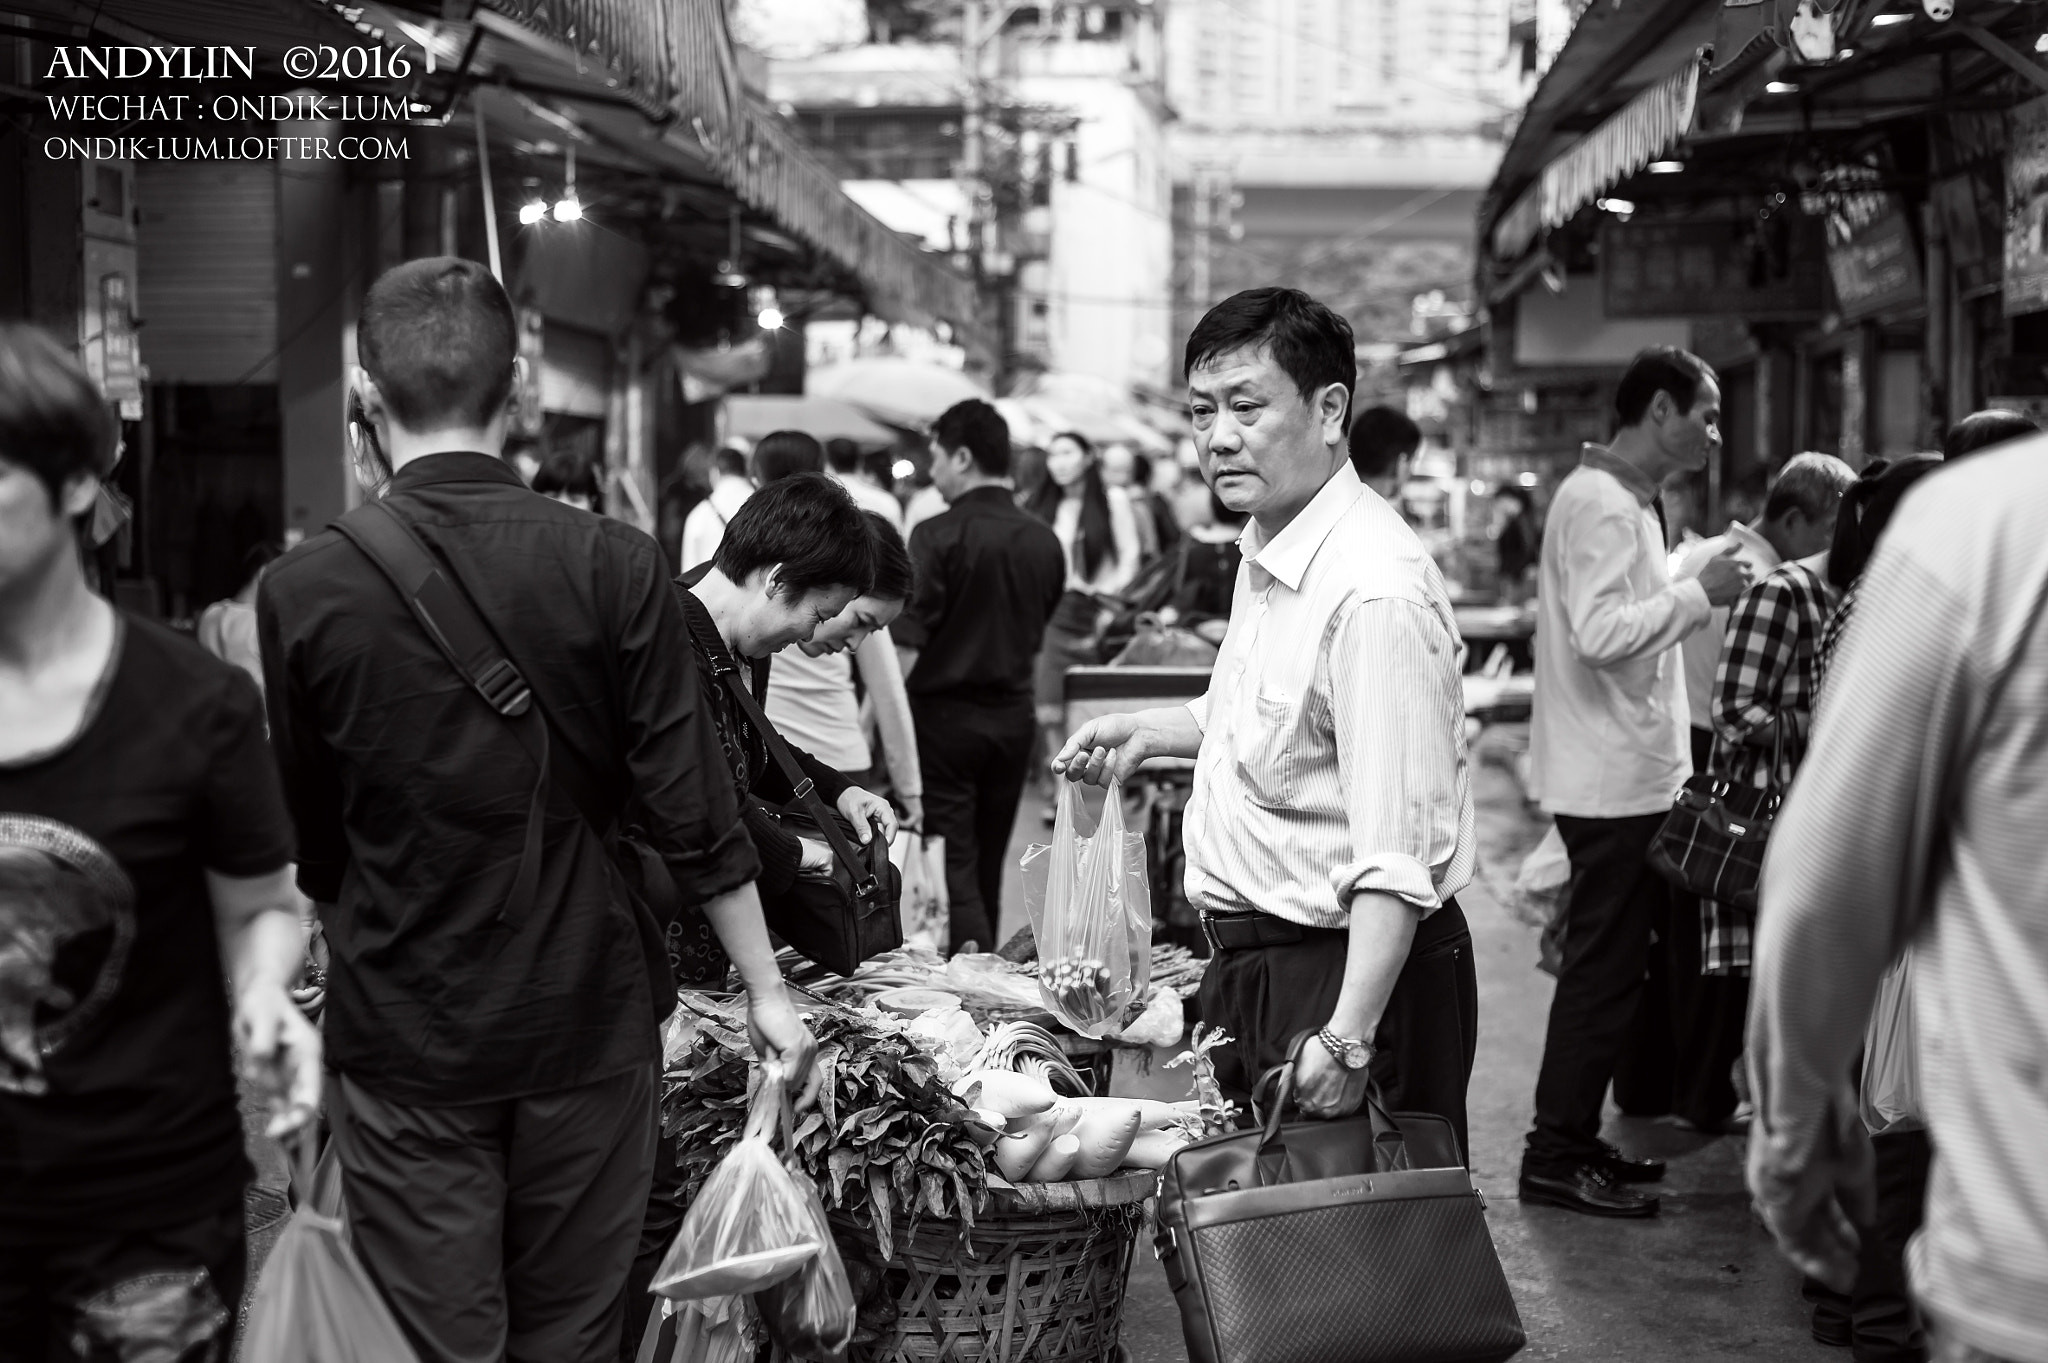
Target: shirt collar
(1627,474)
(992,493)
(455,466)
(1287,555)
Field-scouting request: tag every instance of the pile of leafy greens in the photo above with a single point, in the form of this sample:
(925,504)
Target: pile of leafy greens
(885,1142)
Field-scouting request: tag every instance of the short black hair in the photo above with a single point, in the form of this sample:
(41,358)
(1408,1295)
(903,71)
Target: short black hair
(53,420)
(895,578)
(1380,439)
(783,454)
(809,525)
(1311,344)
(568,473)
(729,461)
(1661,368)
(1981,430)
(978,428)
(438,338)
(1867,508)
(842,454)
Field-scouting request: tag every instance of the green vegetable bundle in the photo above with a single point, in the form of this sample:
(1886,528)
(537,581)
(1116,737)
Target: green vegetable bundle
(885,1142)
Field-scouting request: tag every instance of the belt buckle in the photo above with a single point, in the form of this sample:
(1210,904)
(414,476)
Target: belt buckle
(1209,932)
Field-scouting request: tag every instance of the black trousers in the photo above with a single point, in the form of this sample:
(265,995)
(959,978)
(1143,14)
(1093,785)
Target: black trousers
(170,1292)
(1613,908)
(975,758)
(1709,1013)
(501,1231)
(1883,1324)
(1427,1038)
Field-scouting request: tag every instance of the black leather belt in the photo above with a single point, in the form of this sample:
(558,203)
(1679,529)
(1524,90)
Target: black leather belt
(1249,930)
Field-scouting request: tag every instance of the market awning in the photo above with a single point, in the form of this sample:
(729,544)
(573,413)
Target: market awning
(1644,128)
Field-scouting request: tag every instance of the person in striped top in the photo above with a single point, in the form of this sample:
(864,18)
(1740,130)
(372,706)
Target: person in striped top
(1331,824)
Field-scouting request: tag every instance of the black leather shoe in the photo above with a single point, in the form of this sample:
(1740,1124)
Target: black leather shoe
(1626,1170)
(1589,1189)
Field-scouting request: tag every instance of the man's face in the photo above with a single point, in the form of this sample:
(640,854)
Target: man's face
(1265,449)
(1689,439)
(1118,466)
(34,527)
(849,629)
(779,617)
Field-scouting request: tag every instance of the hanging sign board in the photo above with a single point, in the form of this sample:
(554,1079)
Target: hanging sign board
(1872,257)
(2026,207)
(1768,269)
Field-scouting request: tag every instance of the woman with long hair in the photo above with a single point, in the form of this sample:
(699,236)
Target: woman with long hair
(1099,532)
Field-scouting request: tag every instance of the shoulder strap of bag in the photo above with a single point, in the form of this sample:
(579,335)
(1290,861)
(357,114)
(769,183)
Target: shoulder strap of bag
(452,622)
(727,670)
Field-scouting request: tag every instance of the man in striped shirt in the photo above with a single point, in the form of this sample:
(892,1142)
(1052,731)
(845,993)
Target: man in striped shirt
(1332,821)
(1917,818)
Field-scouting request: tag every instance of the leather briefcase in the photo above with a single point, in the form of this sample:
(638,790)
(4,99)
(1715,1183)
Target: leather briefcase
(1360,1240)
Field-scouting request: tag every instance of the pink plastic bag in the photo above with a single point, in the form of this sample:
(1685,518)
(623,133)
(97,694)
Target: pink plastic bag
(314,1303)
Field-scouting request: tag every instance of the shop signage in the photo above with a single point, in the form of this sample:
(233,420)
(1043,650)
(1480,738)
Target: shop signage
(1768,270)
(1872,256)
(2026,207)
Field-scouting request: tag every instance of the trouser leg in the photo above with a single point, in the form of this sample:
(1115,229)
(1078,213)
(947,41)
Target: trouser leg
(1009,742)
(950,755)
(425,1189)
(658,1226)
(1429,1034)
(1613,904)
(1709,1012)
(1888,1327)
(1263,997)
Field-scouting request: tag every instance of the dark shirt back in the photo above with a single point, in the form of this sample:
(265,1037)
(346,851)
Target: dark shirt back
(988,578)
(410,794)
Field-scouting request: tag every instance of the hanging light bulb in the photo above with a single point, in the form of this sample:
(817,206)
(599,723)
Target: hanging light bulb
(531,213)
(770,319)
(569,208)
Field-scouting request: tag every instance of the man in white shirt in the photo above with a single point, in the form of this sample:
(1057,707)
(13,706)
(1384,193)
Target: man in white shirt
(704,527)
(842,465)
(1709,1011)
(1608,752)
(1332,821)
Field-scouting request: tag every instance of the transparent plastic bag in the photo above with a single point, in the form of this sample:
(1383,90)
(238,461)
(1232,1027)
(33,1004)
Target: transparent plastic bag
(1891,1062)
(811,1315)
(921,861)
(314,1303)
(751,1226)
(1091,913)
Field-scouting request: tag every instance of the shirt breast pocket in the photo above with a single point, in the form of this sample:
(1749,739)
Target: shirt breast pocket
(1266,748)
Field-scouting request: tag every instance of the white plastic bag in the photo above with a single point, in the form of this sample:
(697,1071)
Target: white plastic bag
(1091,913)
(751,1226)
(921,861)
(1540,885)
(1891,1063)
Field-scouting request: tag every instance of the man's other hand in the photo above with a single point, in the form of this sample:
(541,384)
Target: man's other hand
(1725,577)
(1814,1204)
(1104,750)
(864,809)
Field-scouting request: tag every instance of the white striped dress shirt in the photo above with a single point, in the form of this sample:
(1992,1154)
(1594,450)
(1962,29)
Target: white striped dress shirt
(1925,766)
(1333,742)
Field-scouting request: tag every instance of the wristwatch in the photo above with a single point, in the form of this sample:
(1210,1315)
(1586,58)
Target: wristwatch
(1351,1053)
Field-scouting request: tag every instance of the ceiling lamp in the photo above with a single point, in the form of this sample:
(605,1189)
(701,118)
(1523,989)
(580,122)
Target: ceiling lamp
(1666,167)
(1781,87)
(531,213)
(1887,20)
(1618,207)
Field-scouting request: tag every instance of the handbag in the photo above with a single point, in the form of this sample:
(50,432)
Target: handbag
(453,622)
(1359,1240)
(1712,842)
(845,913)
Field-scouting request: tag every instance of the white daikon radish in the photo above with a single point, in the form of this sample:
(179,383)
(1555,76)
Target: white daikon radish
(1153,1149)
(1105,1137)
(1018,1151)
(1152,1114)
(1057,1161)
(985,1126)
(1013,1095)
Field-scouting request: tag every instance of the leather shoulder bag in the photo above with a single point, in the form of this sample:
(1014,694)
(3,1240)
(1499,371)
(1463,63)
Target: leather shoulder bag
(840,916)
(1712,842)
(1360,1240)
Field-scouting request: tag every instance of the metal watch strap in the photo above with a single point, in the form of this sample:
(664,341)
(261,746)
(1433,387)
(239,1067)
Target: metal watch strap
(1339,1047)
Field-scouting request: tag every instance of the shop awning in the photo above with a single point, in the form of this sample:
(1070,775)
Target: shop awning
(670,56)
(1641,131)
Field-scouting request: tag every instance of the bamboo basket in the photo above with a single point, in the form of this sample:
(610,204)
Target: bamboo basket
(1040,1279)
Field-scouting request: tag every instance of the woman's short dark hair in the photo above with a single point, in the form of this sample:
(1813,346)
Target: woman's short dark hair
(438,338)
(1661,368)
(895,578)
(568,473)
(1867,508)
(978,428)
(782,454)
(1312,345)
(53,421)
(1981,430)
(810,526)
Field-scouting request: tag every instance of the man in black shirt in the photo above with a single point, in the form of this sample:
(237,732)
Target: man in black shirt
(988,578)
(495,1108)
(143,842)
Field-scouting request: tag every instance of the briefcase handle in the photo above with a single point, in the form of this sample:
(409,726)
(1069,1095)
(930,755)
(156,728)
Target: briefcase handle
(1390,1147)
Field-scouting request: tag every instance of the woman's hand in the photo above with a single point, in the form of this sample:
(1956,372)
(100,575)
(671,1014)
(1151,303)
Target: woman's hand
(778,1033)
(863,808)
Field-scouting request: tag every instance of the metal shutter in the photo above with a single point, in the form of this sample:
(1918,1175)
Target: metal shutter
(206,243)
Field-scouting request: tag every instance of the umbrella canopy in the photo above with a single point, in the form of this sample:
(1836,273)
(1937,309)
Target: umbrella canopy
(1098,409)
(754,415)
(902,392)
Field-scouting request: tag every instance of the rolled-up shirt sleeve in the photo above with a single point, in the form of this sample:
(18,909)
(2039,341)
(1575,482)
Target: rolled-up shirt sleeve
(1397,710)
(692,811)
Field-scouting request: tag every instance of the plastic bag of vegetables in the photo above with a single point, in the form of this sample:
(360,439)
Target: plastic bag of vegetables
(753,1224)
(1091,913)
